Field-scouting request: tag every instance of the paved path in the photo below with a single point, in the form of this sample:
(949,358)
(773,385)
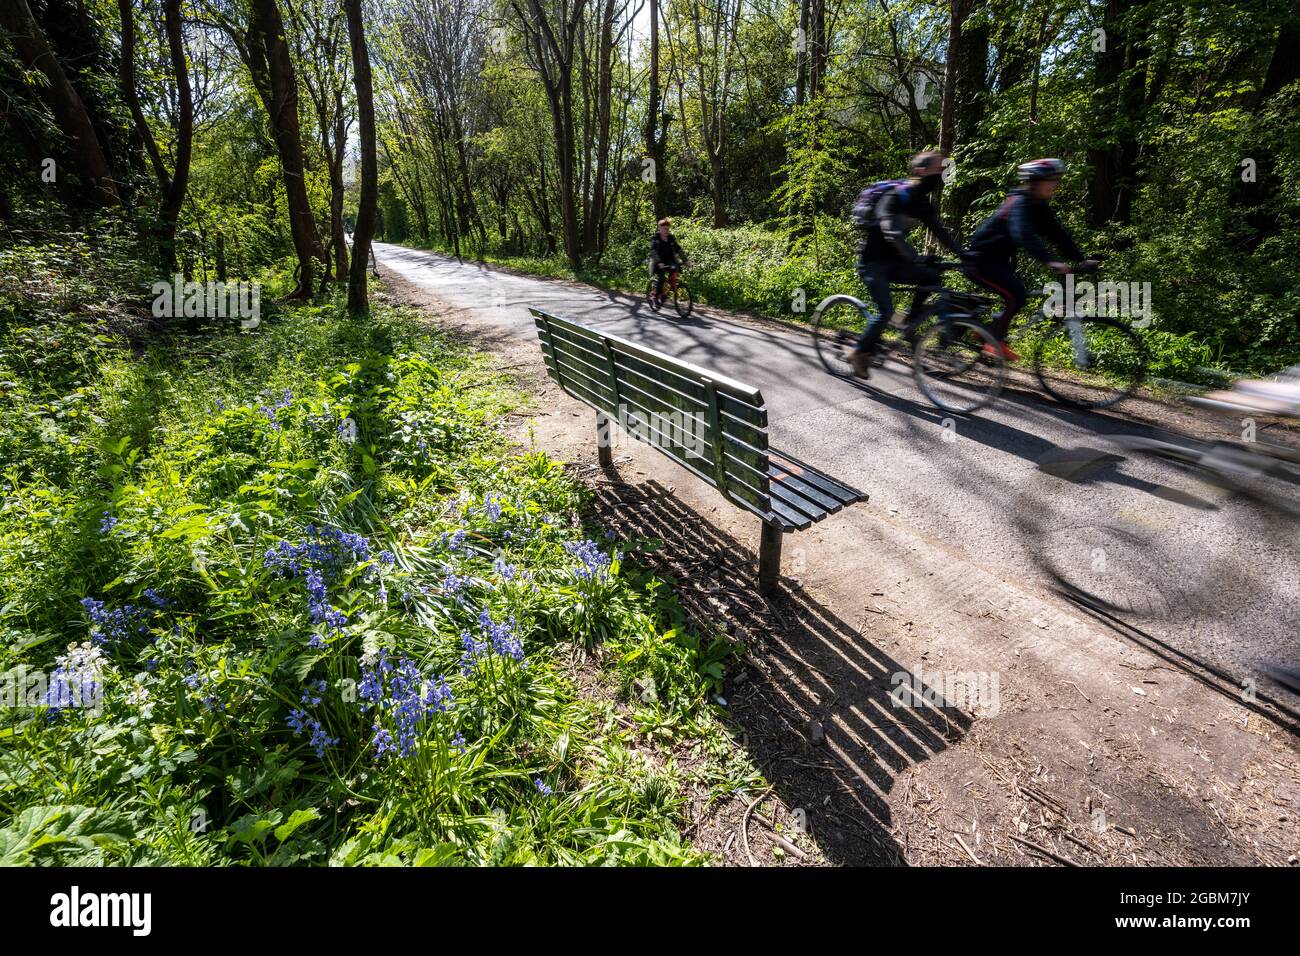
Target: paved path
(1230,574)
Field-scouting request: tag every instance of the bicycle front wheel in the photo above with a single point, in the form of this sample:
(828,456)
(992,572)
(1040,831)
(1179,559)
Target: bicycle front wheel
(1090,362)
(682,300)
(837,325)
(958,365)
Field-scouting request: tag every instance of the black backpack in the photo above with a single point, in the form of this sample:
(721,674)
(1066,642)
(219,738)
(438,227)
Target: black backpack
(863,215)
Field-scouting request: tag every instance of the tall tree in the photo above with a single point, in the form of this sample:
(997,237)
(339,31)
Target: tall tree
(358,303)
(656,125)
(550,43)
(172,185)
(266,53)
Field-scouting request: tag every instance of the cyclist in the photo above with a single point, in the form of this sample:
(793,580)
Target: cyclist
(666,256)
(884,254)
(1023,221)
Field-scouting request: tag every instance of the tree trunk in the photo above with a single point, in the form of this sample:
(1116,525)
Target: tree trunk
(654,132)
(277,84)
(358,302)
(175,188)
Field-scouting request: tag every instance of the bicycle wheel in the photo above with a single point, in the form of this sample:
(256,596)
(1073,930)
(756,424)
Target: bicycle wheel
(682,300)
(1155,531)
(837,324)
(650,295)
(952,367)
(1094,362)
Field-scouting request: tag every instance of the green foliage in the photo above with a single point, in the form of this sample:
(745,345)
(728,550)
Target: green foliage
(315,611)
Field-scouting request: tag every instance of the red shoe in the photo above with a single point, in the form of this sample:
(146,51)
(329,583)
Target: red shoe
(1003,349)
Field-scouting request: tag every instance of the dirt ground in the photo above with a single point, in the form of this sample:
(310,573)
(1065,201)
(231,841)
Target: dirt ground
(1093,747)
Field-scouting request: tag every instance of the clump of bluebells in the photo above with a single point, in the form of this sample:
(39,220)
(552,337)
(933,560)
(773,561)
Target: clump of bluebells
(270,410)
(78,679)
(398,690)
(114,624)
(302,724)
(319,559)
(593,564)
(492,506)
(492,638)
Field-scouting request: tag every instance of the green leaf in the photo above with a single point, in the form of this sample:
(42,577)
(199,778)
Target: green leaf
(296,820)
(67,825)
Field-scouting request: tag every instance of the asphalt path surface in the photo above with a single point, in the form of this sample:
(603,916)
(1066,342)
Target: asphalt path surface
(1213,575)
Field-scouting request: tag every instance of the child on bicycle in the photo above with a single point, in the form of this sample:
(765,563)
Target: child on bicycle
(666,256)
(884,254)
(1023,221)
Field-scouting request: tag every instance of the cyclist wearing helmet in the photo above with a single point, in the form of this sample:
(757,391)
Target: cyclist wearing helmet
(1023,221)
(885,256)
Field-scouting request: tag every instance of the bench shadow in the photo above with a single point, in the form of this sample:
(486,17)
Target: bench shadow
(805,673)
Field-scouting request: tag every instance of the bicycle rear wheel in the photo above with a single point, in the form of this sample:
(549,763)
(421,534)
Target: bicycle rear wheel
(837,325)
(958,366)
(1094,363)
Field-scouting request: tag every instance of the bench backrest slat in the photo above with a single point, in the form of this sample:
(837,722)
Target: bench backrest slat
(714,426)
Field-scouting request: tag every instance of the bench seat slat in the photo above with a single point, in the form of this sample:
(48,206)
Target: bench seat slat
(780,479)
(796,502)
(595,385)
(751,414)
(790,520)
(823,482)
(594,372)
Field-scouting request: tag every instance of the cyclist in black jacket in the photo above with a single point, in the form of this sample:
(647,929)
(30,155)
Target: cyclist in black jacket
(666,255)
(1023,221)
(885,256)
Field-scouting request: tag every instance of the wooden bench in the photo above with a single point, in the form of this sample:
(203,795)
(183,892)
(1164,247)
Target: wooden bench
(711,425)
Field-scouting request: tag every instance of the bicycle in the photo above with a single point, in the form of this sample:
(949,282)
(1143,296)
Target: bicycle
(1129,560)
(677,290)
(955,360)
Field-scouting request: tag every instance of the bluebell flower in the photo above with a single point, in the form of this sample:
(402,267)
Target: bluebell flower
(401,691)
(492,506)
(492,638)
(114,625)
(593,563)
(312,695)
(541,786)
(107,523)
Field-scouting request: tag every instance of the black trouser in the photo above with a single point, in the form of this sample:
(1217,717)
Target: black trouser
(876,275)
(999,277)
(662,271)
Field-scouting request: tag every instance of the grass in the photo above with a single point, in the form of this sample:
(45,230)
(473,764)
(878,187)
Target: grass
(285,596)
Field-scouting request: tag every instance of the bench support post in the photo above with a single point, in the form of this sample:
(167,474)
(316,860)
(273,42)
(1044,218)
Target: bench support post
(603,452)
(769,558)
